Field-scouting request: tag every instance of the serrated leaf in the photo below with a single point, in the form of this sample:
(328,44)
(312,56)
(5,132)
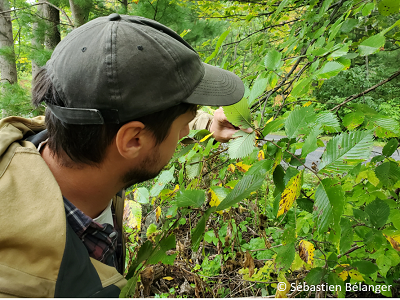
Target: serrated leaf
(388,173)
(348,25)
(353,120)
(328,121)
(257,89)
(378,212)
(239,114)
(394,239)
(329,204)
(390,147)
(306,251)
(299,121)
(272,59)
(386,127)
(371,44)
(142,255)
(141,195)
(193,166)
(285,256)
(315,276)
(247,185)
(194,198)
(346,150)
(242,144)
(310,144)
(290,193)
(218,194)
(273,126)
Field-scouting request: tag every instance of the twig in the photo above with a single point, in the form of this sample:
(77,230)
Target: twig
(351,250)
(351,98)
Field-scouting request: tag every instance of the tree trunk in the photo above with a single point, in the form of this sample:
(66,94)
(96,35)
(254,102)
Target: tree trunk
(8,68)
(37,40)
(53,36)
(80,11)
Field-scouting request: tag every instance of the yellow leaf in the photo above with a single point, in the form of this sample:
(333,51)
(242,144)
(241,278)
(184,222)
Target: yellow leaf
(354,274)
(231,168)
(132,214)
(215,201)
(290,193)
(394,240)
(172,192)
(344,274)
(206,137)
(158,213)
(270,120)
(242,167)
(307,104)
(306,251)
(168,278)
(282,288)
(261,155)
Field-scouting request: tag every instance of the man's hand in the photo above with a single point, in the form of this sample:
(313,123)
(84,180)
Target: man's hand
(223,130)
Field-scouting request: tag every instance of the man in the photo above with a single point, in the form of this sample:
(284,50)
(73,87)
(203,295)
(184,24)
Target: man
(120,93)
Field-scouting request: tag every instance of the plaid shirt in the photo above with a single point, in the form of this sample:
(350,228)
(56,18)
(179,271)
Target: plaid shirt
(102,241)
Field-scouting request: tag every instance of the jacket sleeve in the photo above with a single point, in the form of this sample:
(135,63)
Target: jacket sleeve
(202,120)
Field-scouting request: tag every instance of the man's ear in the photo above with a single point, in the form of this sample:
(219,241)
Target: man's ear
(130,139)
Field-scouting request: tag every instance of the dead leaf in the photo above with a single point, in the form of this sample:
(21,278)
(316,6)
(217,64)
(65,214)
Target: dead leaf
(306,252)
(146,277)
(158,213)
(249,263)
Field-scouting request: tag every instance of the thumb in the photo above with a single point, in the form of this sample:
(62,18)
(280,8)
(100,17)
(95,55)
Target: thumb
(247,130)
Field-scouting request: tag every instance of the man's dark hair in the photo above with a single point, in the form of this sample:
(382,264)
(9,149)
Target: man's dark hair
(87,144)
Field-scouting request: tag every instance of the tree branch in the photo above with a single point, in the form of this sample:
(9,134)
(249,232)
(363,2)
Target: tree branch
(351,98)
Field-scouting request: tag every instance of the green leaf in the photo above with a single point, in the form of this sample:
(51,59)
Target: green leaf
(388,173)
(367,9)
(365,266)
(164,178)
(142,195)
(143,254)
(258,88)
(346,240)
(242,144)
(260,167)
(315,276)
(128,290)
(273,126)
(194,198)
(198,232)
(346,150)
(299,121)
(388,7)
(243,188)
(329,205)
(285,256)
(305,204)
(353,120)
(390,147)
(378,212)
(328,121)
(330,69)
(348,25)
(239,114)
(386,126)
(272,59)
(301,87)
(371,44)
(193,166)
(219,44)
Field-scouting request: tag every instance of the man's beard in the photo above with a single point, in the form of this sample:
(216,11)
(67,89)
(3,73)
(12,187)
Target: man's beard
(145,171)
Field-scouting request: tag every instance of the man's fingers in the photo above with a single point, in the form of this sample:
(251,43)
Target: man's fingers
(247,130)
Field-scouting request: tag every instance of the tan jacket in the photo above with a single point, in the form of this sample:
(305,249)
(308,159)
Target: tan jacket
(40,255)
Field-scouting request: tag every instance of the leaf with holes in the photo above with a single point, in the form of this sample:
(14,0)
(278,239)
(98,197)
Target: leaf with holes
(306,251)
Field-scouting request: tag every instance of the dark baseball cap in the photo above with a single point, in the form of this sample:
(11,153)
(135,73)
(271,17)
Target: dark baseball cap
(117,68)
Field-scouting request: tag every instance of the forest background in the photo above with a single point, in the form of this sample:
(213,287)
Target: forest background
(252,218)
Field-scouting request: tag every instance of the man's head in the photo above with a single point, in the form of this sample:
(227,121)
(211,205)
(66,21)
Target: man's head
(119,69)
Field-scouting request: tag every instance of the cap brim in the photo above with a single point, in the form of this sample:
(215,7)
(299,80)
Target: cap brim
(218,87)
